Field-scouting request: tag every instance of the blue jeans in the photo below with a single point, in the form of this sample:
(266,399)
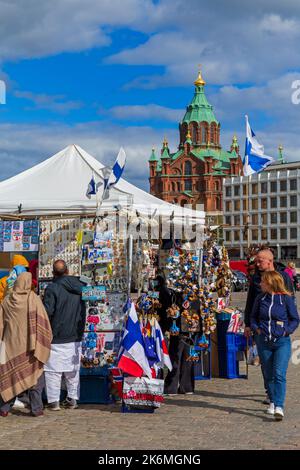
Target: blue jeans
(275,358)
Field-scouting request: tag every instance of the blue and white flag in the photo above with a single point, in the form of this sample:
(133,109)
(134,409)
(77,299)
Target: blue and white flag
(132,356)
(91,189)
(112,176)
(255,160)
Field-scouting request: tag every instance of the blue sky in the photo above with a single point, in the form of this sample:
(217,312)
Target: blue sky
(105,73)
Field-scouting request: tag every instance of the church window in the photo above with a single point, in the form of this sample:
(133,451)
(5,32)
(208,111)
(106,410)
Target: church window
(194,133)
(188,185)
(188,168)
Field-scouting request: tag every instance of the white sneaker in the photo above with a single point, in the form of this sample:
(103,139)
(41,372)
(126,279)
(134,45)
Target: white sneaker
(271,409)
(19,405)
(278,413)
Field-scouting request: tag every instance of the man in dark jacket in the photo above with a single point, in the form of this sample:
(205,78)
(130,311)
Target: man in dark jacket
(264,262)
(66,312)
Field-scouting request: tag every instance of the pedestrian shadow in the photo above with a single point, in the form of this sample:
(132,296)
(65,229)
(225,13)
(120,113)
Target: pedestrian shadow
(227,409)
(231,397)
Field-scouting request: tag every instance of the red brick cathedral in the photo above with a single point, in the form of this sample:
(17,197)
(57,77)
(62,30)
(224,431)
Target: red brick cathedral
(193,175)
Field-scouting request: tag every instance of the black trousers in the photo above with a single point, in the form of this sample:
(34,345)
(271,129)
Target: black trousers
(181,378)
(34,396)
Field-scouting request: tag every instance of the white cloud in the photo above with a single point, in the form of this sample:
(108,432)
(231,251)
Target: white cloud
(235,42)
(146,112)
(54,103)
(35,28)
(23,146)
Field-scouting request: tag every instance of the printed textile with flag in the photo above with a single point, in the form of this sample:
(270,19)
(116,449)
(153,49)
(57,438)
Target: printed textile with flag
(132,356)
(255,160)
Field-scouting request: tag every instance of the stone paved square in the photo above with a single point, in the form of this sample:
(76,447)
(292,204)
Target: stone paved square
(223,414)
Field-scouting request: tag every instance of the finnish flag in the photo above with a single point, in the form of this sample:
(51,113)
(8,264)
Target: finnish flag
(255,160)
(113,176)
(92,187)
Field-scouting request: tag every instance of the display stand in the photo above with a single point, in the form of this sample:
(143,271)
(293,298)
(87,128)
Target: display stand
(94,385)
(228,346)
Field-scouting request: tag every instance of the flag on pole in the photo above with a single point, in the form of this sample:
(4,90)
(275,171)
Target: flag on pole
(91,189)
(255,160)
(113,174)
(132,357)
(161,348)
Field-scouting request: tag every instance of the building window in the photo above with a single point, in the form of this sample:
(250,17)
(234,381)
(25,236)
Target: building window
(236,219)
(194,133)
(188,185)
(236,190)
(173,187)
(273,186)
(178,187)
(264,187)
(274,234)
(293,201)
(283,233)
(283,201)
(264,219)
(228,219)
(264,203)
(283,217)
(228,191)
(228,206)
(254,219)
(255,234)
(204,134)
(237,235)
(228,236)
(273,202)
(283,185)
(293,217)
(245,218)
(264,234)
(245,190)
(217,186)
(254,188)
(237,205)
(293,185)
(254,204)
(293,233)
(245,204)
(188,168)
(273,218)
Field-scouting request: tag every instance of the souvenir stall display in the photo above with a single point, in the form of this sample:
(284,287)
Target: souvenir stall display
(59,240)
(195,316)
(141,393)
(144,265)
(104,267)
(104,256)
(19,236)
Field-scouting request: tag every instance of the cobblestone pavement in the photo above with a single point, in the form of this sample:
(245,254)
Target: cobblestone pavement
(223,414)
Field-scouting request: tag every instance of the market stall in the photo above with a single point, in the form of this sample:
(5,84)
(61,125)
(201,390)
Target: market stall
(45,214)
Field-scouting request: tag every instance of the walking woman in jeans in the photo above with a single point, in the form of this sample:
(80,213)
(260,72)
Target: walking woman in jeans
(274,318)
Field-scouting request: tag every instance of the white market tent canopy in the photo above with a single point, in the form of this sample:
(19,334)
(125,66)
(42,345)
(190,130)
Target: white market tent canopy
(58,186)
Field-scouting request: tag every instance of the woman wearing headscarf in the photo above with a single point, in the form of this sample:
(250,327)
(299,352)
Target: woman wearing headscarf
(19,264)
(25,342)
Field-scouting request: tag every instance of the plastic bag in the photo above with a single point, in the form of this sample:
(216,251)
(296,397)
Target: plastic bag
(253,359)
